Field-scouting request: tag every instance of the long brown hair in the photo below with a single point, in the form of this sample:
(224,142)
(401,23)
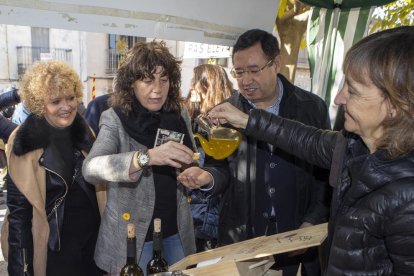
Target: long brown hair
(387,59)
(141,62)
(213,86)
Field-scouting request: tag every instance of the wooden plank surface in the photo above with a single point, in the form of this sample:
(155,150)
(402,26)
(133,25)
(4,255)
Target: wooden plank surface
(256,248)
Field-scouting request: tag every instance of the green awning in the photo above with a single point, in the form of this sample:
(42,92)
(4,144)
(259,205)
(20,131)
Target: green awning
(333,27)
(346,4)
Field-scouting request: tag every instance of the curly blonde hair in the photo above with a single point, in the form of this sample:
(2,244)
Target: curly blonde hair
(45,80)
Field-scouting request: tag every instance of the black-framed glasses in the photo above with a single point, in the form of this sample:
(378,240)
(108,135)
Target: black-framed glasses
(253,71)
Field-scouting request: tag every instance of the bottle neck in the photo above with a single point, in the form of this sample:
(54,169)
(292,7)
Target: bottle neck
(131,250)
(131,260)
(157,254)
(157,244)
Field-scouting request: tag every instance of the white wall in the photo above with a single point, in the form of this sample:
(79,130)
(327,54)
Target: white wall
(11,37)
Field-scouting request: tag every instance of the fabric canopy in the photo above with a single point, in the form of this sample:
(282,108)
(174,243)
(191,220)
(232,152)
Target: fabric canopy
(332,30)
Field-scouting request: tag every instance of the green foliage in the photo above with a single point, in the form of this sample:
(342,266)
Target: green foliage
(395,14)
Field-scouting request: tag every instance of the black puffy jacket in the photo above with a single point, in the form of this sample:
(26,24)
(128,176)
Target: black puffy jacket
(371,230)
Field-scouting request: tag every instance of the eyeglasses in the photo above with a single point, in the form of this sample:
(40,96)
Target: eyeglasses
(253,71)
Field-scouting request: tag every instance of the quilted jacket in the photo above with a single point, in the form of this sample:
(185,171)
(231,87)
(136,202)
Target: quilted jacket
(371,229)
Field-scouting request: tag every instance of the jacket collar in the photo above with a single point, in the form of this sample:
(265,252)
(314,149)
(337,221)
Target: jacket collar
(287,98)
(370,172)
(33,134)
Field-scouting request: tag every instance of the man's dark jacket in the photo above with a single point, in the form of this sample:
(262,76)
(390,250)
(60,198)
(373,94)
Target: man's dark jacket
(238,202)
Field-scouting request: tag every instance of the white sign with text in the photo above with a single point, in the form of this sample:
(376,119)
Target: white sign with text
(202,50)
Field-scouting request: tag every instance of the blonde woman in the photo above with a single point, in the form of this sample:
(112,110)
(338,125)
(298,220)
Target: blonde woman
(54,218)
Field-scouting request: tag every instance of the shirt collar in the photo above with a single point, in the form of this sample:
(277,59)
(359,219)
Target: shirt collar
(275,107)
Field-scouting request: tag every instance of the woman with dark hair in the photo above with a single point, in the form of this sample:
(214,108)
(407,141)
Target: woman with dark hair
(144,140)
(53,216)
(371,228)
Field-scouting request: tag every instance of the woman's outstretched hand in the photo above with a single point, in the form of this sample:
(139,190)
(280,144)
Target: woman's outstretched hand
(227,113)
(195,178)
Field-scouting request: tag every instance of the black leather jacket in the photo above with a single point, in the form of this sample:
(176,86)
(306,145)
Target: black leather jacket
(20,257)
(371,229)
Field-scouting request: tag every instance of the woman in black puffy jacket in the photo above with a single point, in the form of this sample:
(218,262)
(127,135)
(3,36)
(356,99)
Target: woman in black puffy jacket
(371,229)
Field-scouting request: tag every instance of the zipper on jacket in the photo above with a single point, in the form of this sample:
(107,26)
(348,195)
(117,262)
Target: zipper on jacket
(57,230)
(25,264)
(60,199)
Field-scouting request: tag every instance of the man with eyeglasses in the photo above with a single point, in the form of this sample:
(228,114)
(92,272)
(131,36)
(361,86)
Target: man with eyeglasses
(272,191)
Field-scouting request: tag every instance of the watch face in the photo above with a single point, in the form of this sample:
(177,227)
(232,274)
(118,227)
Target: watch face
(143,159)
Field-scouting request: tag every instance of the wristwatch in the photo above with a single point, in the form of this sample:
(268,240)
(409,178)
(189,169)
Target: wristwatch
(143,159)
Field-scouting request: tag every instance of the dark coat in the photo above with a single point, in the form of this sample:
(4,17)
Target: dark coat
(238,202)
(34,218)
(94,110)
(371,229)
(6,128)
(9,98)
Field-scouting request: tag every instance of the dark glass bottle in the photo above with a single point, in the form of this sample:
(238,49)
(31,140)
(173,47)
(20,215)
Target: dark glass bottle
(157,263)
(131,268)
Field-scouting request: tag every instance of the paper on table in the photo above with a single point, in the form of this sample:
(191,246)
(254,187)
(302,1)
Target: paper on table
(209,262)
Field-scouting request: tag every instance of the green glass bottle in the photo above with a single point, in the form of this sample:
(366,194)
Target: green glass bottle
(131,268)
(157,263)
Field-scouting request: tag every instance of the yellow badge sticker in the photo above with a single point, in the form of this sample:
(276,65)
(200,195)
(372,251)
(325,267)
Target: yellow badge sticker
(126,216)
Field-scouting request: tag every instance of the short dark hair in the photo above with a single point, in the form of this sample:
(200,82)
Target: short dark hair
(269,42)
(141,62)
